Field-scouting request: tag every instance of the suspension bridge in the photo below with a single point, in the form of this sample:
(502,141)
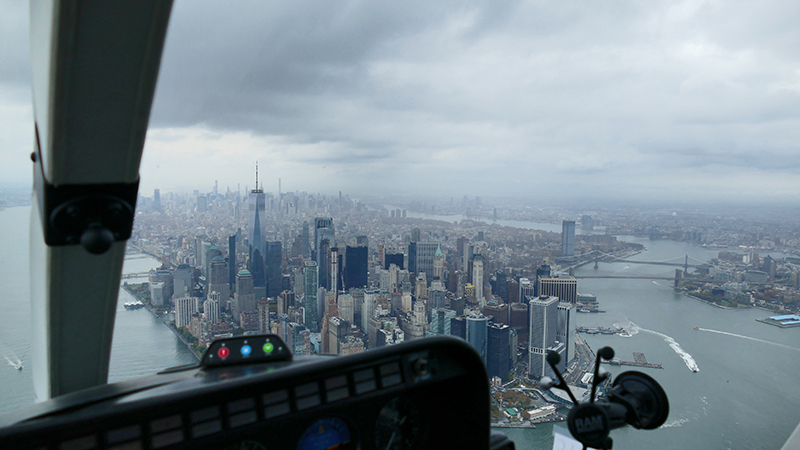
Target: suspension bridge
(673,262)
(599,257)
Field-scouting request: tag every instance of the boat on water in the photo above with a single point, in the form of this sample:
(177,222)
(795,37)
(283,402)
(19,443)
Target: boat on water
(696,328)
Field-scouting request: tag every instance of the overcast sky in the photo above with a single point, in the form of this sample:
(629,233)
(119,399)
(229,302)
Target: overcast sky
(661,100)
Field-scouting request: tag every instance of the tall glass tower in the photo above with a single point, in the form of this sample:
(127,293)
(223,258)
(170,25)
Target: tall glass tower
(310,284)
(324,231)
(568,238)
(477,334)
(543,313)
(256,236)
(257,219)
(273,259)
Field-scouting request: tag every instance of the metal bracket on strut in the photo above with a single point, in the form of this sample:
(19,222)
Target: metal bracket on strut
(92,215)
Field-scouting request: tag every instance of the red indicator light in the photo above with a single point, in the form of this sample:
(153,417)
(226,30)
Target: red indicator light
(223,352)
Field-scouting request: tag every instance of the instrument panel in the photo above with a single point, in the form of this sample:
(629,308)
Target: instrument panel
(421,394)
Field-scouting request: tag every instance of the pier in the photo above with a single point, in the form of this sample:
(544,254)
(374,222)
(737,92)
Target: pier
(639,361)
(135,275)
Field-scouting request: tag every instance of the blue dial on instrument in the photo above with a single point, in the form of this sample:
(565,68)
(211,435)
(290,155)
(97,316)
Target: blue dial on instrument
(326,434)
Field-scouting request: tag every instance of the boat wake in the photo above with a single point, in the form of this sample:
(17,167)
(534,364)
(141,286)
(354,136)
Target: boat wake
(675,423)
(634,329)
(749,338)
(13,361)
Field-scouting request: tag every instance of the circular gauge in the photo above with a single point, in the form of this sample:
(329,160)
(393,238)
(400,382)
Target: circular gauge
(326,434)
(399,426)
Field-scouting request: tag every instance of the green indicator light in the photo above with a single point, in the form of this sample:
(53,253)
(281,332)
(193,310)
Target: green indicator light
(268,347)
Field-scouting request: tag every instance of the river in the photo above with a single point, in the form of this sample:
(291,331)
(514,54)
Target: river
(744,396)
(142,344)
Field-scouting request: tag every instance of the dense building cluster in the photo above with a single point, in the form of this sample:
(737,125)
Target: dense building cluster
(330,274)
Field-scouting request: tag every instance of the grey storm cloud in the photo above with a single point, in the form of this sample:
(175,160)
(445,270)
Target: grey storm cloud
(612,97)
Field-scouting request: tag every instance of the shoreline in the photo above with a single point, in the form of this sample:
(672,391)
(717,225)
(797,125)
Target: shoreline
(188,345)
(765,309)
(506,425)
(706,301)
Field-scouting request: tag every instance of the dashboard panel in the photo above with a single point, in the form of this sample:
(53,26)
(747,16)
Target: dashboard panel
(430,393)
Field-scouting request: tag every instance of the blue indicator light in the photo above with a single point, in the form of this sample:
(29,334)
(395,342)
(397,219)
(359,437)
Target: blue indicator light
(246,349)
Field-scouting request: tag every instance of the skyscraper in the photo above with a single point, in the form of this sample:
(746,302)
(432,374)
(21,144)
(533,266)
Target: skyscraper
(157,200)
(565,288)
(347,307)
(412,257)
(477,279)
(462,246)
(526,289)
(568,238)
(500,285)
(202,203)
(438,264)
(232,267)
(355,267)
(184,308)
(586,222)
(256,270)
(257,219)
(273,267)
(311,284)
(218,278)
(323,229)
(436,294)
(212,252)
(458,327)
(543,334)
(393,258)
(424,253)
(499,312)
(211,308)
(305,245)
(440,321)
(518,317)
(324,240)
(498,362)
(183,284)
(477,334)
(566,329)
(324,263)
(244,297)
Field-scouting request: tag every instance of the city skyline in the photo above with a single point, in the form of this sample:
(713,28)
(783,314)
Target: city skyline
(651,102)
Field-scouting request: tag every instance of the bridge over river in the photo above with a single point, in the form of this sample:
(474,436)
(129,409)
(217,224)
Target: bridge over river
(598,257)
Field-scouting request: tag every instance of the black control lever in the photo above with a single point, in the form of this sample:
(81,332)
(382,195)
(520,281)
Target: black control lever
(635,399)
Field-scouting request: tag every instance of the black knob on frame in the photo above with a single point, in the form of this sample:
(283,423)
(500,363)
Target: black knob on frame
(97,239)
